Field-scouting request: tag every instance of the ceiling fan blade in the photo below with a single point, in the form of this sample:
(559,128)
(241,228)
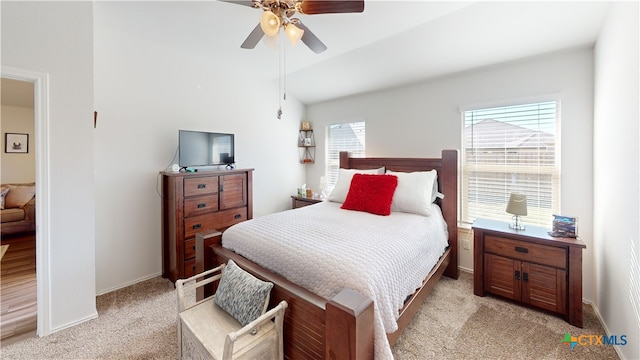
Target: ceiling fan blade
(251,3)
(311,40)
(311,7)
(252,40)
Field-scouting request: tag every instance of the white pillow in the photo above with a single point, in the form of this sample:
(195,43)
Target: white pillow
(414,193)
(435,194)
(339,192)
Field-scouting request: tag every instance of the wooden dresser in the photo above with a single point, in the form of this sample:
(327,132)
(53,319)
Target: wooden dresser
(529,266)
(199,202)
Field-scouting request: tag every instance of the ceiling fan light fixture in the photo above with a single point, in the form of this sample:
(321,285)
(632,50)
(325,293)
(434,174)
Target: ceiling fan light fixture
(294,33)
(270,23)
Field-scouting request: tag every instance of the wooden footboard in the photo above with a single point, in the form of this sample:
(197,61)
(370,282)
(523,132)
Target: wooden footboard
(315,327)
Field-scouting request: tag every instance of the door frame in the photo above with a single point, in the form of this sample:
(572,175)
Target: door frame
(42,175)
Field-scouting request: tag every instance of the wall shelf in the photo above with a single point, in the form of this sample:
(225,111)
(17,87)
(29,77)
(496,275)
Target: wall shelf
(307,146)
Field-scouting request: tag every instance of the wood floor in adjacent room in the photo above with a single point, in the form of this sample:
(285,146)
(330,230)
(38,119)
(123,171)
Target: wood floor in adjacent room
(18,287)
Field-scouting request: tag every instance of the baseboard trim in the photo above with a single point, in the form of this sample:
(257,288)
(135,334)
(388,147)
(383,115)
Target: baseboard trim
(132,282)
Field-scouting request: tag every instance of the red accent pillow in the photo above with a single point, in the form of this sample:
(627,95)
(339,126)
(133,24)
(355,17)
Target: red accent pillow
(371,193)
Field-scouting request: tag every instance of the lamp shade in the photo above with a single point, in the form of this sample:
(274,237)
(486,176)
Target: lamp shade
(517,204)
(270,23)
(294,33)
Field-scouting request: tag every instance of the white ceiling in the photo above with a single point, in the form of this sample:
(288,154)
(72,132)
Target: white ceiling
(399,42)
(391,43)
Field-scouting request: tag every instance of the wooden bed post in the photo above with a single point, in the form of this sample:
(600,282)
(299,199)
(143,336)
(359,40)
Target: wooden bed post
(204,258)
(448,178)
(349,324)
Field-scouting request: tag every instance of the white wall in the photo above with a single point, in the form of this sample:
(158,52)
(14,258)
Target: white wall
(422,119)
(616,180)
(56,38)
(105,209)
(147,86)
(18,167)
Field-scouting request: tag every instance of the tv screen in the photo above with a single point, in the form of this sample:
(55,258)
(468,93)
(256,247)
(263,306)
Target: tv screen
(199,148)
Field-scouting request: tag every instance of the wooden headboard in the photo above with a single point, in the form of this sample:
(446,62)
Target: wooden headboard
(447,168)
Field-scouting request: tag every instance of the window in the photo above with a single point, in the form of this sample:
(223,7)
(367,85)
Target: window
(342,137)
(511,149)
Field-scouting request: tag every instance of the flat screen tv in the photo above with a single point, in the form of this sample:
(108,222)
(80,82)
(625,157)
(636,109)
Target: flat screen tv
(199,148)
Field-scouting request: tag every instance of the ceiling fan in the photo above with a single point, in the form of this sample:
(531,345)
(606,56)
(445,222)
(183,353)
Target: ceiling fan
(280,13)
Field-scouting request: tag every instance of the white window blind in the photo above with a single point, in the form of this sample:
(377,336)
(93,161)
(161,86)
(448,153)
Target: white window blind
(511,149)
(342,137)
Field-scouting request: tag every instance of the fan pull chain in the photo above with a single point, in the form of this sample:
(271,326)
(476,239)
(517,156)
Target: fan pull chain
(279,112)
(284,71)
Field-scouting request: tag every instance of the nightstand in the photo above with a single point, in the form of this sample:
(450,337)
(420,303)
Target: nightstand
(298,202)
(529,266)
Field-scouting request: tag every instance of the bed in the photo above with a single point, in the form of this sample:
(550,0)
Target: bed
(346,323)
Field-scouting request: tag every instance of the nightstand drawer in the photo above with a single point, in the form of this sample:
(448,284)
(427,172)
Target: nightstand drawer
(299,203)
(525,251)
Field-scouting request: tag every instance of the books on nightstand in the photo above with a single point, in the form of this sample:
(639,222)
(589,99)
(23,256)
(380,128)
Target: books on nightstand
(564,226)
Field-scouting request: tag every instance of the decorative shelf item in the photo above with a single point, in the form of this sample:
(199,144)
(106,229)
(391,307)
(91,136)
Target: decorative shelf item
(306,143)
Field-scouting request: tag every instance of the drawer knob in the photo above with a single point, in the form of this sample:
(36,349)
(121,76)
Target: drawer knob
(200,206)
(525,277)
(202,186)
(196,226)
(522,249)
(238,216)
(517,275)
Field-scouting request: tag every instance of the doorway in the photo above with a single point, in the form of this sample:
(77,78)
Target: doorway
(18,284)
(40,143)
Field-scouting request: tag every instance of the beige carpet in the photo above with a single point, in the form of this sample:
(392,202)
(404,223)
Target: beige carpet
(3,250)
(139,323)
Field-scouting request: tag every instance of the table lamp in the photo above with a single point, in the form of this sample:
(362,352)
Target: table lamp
(518,207)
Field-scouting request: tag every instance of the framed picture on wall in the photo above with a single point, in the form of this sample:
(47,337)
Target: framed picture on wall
(16,143)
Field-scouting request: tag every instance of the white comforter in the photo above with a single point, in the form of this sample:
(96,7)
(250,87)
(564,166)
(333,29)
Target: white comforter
(326,249)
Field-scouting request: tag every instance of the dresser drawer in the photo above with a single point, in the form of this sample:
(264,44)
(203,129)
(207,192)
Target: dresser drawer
(189,268)
(226,218)
(213,221)
(189,248)
(540,254)
(201,186)
(200,205)
(200,223)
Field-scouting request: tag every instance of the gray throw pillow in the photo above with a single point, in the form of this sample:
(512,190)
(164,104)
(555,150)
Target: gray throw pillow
(241,294)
